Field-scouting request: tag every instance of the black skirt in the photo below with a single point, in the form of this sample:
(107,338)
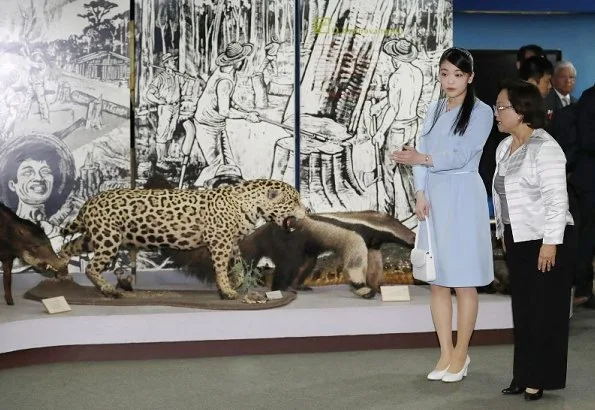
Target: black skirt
(540,310)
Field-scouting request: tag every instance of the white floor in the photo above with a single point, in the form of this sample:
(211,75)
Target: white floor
(327,311)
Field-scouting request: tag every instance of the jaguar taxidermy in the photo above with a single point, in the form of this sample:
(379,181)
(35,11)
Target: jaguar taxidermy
(218,218)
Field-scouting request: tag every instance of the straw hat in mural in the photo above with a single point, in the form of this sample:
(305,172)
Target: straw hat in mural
(401,49)
(167,57)
(233,53)
(37,147)
(275,38)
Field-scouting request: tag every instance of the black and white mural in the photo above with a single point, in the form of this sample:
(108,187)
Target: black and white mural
(214,79)
(64,107)
(214,99)
(215,95)
(213,82)
(369,69)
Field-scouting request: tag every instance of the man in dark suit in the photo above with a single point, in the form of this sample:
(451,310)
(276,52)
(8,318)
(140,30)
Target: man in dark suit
(538,71)
(583,181)
(560,109)
(563,82)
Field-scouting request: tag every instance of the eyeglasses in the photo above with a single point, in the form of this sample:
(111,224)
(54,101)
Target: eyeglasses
(501,107)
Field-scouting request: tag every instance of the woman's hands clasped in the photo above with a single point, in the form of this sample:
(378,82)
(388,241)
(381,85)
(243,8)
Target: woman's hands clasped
(547,257)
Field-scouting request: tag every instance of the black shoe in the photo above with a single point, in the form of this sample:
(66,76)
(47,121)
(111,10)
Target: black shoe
(534,396)
(513,390)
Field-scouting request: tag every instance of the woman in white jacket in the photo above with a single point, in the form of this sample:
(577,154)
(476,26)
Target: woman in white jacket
(533,220)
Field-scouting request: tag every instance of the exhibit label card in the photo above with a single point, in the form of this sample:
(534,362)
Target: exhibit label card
(276,294)
(398,293)
(56,305)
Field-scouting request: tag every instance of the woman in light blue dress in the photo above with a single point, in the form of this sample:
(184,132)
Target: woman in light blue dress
(452,199)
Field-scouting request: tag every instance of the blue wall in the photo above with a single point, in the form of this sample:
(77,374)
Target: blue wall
(525,5)
(574,34)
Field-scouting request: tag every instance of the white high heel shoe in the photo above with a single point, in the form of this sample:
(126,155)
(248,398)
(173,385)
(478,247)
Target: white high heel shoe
(437,374)
(456,377)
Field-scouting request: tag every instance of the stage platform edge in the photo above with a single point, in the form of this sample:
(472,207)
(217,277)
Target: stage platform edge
(328,319)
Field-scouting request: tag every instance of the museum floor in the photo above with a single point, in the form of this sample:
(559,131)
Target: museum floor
(380,379)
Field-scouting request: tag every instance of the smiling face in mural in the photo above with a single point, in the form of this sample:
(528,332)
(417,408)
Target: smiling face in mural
(34,182)
(453,80)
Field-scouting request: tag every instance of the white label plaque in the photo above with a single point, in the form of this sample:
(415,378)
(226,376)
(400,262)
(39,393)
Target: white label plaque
(56,305)
(398,293)
(276,294)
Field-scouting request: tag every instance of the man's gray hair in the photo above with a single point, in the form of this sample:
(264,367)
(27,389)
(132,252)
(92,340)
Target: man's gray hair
(564,64)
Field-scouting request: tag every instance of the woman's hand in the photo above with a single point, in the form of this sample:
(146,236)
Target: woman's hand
(547,257)
(409,156)
(422,207)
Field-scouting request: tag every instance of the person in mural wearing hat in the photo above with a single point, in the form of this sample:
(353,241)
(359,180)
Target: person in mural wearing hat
(215,106)
(271,52)
(164,90)
(36,89)
(36,177)
(398,127)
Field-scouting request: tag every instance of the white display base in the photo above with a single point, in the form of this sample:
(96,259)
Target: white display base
(326,311)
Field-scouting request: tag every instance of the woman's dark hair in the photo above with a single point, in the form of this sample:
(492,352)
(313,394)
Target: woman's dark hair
(526,100)
(462,59)
(535,68)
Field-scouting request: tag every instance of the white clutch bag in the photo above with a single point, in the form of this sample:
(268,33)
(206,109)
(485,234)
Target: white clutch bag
(422,260)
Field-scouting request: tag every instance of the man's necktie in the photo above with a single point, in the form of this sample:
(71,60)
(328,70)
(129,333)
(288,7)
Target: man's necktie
(565,101)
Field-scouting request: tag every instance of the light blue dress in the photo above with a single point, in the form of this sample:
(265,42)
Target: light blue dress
(459,216)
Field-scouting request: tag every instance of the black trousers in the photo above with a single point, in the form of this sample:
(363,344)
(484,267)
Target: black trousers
(583,281)
(540,310)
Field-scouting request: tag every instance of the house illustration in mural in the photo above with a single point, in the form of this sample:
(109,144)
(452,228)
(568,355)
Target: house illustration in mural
(104,66)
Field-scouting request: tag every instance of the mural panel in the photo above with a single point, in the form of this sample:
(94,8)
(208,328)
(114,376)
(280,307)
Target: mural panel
(64,108)
(369,69)
(213,81)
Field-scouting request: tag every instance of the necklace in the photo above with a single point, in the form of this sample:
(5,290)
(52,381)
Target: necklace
(516,145)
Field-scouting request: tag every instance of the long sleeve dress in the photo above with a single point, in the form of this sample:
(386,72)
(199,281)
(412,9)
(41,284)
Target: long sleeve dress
(459,216)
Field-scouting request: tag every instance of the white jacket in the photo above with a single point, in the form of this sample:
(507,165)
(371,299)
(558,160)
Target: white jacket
(535,185)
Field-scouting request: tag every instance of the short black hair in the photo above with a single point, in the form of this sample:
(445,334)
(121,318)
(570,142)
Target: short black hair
(534,48)
(526,100)
(535,68)
(52,158)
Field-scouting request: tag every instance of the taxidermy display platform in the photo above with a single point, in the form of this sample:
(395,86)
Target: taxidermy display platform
(328,318)
(76,294)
